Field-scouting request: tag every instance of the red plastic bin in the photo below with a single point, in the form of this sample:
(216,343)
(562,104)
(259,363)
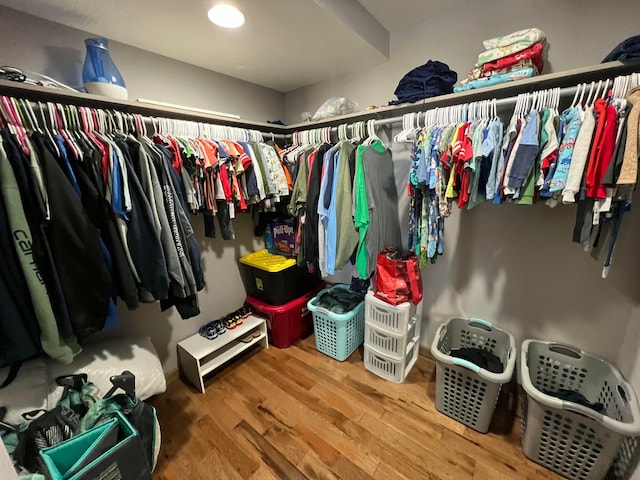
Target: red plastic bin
(289,322)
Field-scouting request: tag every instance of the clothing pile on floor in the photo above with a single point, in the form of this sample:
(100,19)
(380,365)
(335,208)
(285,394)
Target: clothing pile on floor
(506,59)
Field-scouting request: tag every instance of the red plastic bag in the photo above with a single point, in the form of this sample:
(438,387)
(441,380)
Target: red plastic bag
(398,278)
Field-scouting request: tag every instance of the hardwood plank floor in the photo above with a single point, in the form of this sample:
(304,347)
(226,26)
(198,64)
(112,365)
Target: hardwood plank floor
(298,414)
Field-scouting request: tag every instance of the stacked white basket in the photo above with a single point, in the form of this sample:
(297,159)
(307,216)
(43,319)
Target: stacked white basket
(391,338)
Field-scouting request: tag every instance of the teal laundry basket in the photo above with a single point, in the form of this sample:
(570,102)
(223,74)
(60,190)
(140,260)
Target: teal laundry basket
(337,334)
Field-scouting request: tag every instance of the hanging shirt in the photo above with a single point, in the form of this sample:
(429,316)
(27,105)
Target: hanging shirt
(347,236)
(579,157)
(332,218)
(602,150)
(572,120)
(491,148)
(361,214)
(384,223)
(525,155)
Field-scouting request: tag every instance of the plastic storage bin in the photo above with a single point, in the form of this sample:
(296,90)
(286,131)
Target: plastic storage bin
(392,318)
(388,367)
(465,391)
(286,323)
(337,335)
(274,279)
(571,439)
(397,345)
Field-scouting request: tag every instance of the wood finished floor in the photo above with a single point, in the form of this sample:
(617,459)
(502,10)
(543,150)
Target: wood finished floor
(297,414)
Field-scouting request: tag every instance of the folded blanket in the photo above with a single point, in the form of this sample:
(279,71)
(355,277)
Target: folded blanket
(477,72)
(534,52)
(531,35)
(502,52)
(496,79)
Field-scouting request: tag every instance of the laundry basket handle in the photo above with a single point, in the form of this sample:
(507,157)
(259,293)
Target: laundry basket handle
(465,364)
(566,350)
(479,321)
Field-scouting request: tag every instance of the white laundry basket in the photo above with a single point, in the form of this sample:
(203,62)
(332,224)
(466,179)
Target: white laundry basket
(465,391)
(566,437)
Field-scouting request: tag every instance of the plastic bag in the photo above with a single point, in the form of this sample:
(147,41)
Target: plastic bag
(333,107)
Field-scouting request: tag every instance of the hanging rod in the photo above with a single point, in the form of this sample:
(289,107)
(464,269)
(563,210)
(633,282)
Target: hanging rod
(501,103)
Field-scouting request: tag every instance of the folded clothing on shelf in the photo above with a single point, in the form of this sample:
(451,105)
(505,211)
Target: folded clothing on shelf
(507,58)
(501,47)
(429,80)
(533,54)
(532,35)
(497,79)
(627,50)
(477,72)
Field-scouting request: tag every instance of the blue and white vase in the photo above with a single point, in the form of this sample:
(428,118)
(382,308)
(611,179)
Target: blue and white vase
(99,74)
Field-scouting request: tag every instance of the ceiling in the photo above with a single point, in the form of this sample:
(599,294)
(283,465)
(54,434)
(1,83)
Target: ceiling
(284,44)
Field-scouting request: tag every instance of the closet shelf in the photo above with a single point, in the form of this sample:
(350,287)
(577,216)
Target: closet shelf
(568,78)
(46,94)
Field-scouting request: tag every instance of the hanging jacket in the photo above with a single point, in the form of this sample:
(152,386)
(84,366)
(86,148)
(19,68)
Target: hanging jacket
(144,243)
(89,178)
(177,279)
(311,215)
(194,248)
(52,342)
(19,332)
(40,249)
(74,240)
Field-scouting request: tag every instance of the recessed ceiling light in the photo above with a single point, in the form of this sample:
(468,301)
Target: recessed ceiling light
(226,16)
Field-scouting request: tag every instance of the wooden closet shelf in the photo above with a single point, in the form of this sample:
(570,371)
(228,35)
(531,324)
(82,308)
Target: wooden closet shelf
(46,94)
(563,79)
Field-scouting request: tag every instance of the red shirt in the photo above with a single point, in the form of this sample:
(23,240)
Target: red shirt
(604,144)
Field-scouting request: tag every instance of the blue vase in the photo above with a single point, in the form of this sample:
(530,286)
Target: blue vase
(99,74)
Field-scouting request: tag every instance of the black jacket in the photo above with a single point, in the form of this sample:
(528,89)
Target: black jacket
(74,240)
(144,242)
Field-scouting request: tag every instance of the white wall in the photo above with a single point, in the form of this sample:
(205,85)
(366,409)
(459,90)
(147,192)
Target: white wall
(41,46)
(580,32)
(513,265)
(45,47)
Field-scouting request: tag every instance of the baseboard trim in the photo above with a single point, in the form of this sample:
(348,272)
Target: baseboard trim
(425,351)
(171,375)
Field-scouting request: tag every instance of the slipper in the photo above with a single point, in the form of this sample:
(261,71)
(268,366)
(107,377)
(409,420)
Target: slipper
(246,338)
